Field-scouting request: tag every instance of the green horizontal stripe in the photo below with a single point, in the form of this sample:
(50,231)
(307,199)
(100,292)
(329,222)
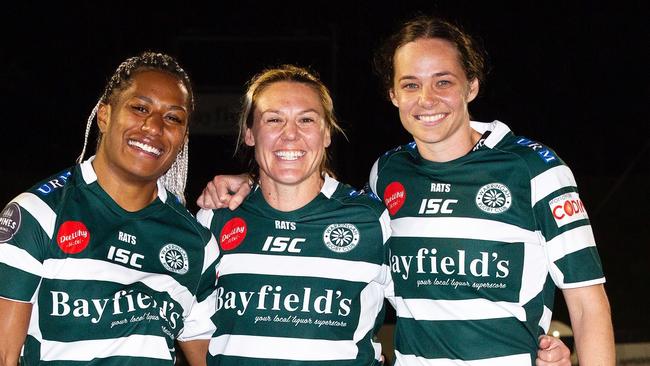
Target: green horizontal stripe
(12,276)
(583,265)
(466,340)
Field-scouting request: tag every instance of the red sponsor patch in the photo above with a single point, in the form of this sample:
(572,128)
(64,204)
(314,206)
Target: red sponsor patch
(232,233)
(394,197)
(568,208)
(73,237)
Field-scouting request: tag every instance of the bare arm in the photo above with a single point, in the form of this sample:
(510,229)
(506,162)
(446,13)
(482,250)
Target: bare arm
(592,325)
(196,351)
(14,320)
(225,191)
(552,352)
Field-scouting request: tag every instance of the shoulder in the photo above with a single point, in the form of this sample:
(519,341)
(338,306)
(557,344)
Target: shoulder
(50,190)
(362,200)
(535,155)
(396,155)
(396,160)
(35,209)
(183,215)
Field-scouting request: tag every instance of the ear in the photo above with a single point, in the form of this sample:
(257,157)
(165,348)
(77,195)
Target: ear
(249,139)
(473,90)
(103,116)
(393,97)
(328,138)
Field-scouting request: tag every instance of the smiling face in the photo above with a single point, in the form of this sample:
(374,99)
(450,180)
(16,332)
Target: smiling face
(143,128)
(288,134)
(432,93)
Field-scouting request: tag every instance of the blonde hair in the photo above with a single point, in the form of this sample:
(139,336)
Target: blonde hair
(258,84)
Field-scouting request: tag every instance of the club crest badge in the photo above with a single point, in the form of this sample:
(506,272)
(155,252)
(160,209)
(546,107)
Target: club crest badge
(341,238)
(174,259)
(494,198)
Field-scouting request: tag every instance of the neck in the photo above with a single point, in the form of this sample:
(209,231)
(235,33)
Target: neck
(289,197)
(452,148)
(131,195)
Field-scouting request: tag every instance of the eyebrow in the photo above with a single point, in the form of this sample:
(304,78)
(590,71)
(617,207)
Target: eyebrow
(437,74)
(301,112)
(149,100)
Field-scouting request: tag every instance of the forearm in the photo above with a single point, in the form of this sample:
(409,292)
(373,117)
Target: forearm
(195,352)
(592,329)
(14,320)
(594,339)
(8,359)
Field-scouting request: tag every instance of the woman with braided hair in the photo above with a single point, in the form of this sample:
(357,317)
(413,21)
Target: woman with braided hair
(100,262)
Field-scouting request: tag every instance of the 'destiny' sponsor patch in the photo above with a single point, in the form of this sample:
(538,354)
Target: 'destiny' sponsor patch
(394,197)
(233,233)
(567,208)
(73,237)
(9,222)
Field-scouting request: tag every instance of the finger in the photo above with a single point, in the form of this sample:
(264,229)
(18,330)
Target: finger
(199,201)
(238,197)
(544,341)
(235,201)
(222,191)
(553,352)
(210,199)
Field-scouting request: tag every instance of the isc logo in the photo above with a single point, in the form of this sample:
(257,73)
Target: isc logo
(124,256)
(282,244)
(436,205)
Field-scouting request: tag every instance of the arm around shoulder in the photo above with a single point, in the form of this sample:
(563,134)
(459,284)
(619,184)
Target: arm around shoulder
(592,324)
(225,191)
(14,321)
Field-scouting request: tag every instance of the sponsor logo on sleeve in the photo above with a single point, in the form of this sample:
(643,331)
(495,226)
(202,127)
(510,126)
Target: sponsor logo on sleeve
(174,258)
(494,198)
(545,153)
(9,222)
(394,197)
(341,238)
(233,233)
(567,208)
(49,187)
(73,237)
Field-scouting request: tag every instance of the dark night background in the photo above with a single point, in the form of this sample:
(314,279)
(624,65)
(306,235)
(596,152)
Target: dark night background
(573,75)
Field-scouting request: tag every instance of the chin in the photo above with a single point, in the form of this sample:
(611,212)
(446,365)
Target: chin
(147,173)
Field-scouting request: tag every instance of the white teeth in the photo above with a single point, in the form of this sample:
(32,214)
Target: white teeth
(289,155)
(431,118)
(147,148)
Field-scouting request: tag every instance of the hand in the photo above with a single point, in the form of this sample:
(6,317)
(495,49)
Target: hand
(552,352)
(225,191)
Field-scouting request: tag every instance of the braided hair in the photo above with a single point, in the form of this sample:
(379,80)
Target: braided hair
(175,178)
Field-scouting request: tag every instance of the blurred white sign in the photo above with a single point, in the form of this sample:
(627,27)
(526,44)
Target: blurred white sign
(216,114)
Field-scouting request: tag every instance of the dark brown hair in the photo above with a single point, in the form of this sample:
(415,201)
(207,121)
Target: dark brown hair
(471,55)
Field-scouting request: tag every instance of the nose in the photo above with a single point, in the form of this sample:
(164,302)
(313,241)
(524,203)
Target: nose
(427,98)
(290,130)
(153,124)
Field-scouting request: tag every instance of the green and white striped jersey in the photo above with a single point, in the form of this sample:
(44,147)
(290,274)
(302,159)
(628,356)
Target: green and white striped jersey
(478,246)
(108,287)
(304,287)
